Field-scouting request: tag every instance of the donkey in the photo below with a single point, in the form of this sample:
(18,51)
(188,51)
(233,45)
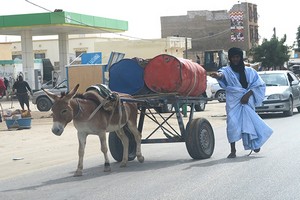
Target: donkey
(93,114)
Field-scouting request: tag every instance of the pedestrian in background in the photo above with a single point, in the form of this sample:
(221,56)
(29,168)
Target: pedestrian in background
(22,88)
(244,90)
(2,87)
(6,83)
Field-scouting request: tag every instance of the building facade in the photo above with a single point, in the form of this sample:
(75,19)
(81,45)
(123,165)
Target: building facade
(11,52)
(215,30)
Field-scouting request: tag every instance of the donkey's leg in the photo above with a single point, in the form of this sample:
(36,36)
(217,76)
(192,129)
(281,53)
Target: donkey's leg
(124,139)
(82,141)
(104,150)
(138,139)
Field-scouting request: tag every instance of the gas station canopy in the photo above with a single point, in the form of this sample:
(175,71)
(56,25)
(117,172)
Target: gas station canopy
(54,23)
(59,23)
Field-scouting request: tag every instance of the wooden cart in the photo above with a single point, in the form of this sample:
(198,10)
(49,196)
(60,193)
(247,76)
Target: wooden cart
(197,133)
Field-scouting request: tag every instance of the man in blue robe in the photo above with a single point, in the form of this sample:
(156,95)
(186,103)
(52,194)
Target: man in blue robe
(244,90)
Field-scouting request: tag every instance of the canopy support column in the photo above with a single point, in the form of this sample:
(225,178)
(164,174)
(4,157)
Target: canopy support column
(27,57)
(63,46)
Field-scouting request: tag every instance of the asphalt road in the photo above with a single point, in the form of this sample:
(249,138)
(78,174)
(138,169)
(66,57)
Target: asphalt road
(169,173)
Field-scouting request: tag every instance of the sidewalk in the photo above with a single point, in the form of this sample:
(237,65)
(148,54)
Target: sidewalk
(14,104)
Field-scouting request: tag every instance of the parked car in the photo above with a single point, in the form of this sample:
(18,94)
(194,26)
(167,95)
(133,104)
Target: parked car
(214,90)
(282,92)
(43,102)
(47,85)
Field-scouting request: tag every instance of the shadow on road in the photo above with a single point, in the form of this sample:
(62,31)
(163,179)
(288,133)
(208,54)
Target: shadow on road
(238,159)
(274,115)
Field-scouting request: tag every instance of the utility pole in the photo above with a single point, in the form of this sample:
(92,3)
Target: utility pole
(186,47)
(184,107)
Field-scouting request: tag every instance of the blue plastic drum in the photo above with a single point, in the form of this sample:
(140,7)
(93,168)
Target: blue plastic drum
(127,76)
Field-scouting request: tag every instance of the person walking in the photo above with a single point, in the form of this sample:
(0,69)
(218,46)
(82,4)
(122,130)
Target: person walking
(6,83)
(244,90)
(2,87)
(22,89)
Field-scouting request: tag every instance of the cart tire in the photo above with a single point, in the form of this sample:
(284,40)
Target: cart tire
(116,146)
(200,140)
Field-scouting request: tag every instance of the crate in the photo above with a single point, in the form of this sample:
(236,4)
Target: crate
(22,123)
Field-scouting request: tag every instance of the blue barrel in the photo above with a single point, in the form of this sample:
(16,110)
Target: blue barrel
(127,76)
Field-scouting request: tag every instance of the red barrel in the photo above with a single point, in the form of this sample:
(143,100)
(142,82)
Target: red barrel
(168,74)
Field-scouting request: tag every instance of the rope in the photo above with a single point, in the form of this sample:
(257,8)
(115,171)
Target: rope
(119,110)
(250,153)
(194,84)
(97,109)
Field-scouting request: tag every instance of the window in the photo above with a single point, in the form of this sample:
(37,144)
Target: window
(77,53)
(292,77)
(250,13)
(18,56)
(39,55)
(255,13)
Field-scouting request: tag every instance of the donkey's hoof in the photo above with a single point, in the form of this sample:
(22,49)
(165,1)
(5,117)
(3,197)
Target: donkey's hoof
(107,169)
(141,159)
(78,173)
(123,164)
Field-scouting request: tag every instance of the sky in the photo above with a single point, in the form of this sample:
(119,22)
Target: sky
(144,16)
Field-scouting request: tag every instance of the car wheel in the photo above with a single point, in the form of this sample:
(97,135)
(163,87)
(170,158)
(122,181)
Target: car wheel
(221,96)
(291,108)
(44,104)
(200,106)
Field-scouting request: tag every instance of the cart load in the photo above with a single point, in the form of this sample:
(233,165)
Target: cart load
(161,74)
(127,76)
(168,74)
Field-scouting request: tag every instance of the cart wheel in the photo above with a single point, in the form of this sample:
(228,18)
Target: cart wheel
(200,140)
(116,146)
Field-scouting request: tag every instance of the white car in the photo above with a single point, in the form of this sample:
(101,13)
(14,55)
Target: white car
(282,92)
(42,101)
(214,90)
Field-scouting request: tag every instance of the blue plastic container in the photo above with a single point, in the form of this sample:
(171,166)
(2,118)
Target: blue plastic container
(127,76)
(23,123)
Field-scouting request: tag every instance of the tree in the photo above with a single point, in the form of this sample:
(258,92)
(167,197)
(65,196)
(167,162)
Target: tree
(298,38)
(271,53)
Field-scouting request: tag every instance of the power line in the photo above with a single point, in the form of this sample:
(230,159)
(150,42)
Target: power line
(79,22)
(122,35)
(212,36)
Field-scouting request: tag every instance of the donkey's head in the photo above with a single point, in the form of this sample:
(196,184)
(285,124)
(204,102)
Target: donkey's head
(61,110)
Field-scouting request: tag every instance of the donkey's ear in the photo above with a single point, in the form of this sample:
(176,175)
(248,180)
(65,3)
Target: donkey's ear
(73,92)
(51,95)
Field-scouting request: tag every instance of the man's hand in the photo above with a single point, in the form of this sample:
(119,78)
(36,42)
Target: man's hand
(216,75)
(246,97)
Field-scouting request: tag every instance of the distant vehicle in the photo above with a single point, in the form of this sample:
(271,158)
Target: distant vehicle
(214,59)
(294,65)
(214,90)
(282,92)
(295,69)
(43,102)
